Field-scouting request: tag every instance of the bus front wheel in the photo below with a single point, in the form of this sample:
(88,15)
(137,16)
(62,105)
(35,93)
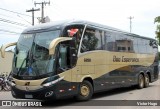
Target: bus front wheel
(141,81)
(85,91)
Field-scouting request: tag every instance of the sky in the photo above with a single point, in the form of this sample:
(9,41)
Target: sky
(114,13)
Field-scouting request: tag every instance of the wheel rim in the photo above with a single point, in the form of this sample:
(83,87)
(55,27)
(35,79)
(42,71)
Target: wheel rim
(147,80)
(85,90)
(0,87)
(6,88)
(141,81)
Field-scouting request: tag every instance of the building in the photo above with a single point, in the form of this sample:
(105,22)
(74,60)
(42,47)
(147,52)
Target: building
(6,63)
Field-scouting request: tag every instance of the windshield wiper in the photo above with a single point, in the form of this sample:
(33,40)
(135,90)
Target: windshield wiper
(22,63)
(21,66)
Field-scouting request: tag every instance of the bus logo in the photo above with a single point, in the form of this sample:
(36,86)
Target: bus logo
(27,84)
(27,89)
(87,59)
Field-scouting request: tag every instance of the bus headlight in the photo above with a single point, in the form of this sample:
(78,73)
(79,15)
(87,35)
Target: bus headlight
(52,82)
(11,83)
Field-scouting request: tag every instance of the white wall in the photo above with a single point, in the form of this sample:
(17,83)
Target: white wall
(6,63)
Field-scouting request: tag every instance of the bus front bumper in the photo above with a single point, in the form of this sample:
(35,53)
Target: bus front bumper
(41,94)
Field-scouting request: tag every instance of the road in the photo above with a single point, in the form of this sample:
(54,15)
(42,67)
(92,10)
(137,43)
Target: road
(108,99)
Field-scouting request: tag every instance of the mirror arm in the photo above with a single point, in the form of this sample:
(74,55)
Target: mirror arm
(6,46)
(55,42)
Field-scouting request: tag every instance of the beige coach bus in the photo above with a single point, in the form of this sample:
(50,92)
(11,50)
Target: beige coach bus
(79,58)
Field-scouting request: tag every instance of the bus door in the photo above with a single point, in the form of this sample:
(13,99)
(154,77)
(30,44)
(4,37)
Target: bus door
(66,61)
(63,66)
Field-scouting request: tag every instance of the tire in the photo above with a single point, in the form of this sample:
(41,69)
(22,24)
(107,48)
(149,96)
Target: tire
(146,82)
(141,81)
(7,88)
(0,87)
(85,91)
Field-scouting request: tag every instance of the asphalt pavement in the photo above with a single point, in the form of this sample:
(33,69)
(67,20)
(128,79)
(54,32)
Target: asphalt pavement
(120,98)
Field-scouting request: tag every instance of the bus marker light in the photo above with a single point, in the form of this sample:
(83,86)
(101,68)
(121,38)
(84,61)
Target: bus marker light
(61,90)
(112,82)
(12,83)
(73,87)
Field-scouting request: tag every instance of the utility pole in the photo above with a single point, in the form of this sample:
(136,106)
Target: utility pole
(32,10)
(130,22)
(42,5)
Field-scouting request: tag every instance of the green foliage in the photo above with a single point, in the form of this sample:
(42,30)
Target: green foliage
(157,20)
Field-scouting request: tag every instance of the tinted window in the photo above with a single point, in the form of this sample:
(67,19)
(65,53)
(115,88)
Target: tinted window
(118,42)
(74,31)
(135,45)
(125,43)
(149,47)
(141,46)
(102,39)
(110,43)
(92,40)
(154,46)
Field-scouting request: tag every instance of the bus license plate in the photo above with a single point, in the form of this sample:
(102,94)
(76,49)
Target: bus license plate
(28,96)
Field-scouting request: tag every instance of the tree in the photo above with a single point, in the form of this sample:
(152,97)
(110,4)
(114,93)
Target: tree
(157,20)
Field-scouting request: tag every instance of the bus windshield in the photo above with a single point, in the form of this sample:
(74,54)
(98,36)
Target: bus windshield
(32,54)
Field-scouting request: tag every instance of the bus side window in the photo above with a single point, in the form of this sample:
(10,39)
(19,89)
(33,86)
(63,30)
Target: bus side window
(92,40)
(63,56)
(110,41)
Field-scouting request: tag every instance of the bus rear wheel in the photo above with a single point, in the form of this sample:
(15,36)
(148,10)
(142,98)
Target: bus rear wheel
(85,91)
(140,81)
(146,80)
(1,87)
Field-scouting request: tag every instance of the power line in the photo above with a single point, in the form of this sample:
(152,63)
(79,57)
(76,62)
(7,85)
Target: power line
(5,15)
(9,31)
(6,33)
(15,17)
(12,22)
(12,26)
(23,19)
(15,12)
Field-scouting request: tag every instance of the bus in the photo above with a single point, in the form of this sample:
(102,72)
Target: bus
(79,58)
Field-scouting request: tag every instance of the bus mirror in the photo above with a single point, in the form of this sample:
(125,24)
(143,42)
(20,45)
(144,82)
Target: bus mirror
(55,42)
(6,46)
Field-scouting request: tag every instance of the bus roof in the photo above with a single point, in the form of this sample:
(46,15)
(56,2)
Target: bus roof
(61,24)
